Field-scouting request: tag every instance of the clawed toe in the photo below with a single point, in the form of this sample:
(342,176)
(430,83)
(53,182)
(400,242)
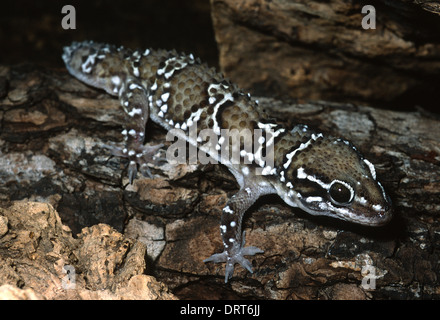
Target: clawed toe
(250,251)
(115,150)
(148,153)
(218,257)
(132,171)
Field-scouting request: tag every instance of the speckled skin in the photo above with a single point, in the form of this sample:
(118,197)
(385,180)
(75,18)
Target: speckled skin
(321,175)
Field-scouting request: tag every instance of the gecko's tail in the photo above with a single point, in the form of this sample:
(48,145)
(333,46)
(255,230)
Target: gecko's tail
(88,60)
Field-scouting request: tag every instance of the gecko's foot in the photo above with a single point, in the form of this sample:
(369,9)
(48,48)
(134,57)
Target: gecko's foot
(138,156)
(147,154)
(235,256)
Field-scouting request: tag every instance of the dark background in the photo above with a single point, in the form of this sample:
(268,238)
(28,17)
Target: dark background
(31,31)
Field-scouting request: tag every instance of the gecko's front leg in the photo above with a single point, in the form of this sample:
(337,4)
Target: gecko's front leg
(134,99)
(230,229)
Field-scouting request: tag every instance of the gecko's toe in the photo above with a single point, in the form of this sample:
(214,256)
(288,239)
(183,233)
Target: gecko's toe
(217,258)
(148,153)
(132,171)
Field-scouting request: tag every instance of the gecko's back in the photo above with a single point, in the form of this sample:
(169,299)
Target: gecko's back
(182,90)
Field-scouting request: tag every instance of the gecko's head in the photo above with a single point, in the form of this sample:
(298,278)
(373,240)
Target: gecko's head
(330,177)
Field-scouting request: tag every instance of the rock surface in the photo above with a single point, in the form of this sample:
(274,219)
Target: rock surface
(41,260)
(319,50)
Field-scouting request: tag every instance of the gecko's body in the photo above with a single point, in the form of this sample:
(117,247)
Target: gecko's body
(321,175)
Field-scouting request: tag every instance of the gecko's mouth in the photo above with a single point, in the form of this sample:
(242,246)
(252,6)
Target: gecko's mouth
(374,216)
(376,219)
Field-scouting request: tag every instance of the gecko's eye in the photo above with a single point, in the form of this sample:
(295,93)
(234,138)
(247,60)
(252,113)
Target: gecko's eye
(341,193)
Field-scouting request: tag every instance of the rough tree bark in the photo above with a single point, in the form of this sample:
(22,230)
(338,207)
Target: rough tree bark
(319,50)
(52,133)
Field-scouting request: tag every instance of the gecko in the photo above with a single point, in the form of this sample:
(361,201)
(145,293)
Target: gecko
(320,174)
